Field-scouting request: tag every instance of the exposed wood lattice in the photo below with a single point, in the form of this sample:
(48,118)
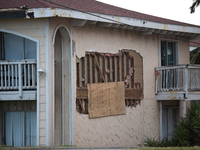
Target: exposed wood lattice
(127,66)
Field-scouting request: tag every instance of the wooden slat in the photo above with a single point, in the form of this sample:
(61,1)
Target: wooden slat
(82,109)
(108,58)
(133,93)
(98,71)
(93,70)
(88,65)
(82,93)
(122,67)
(113,68)
(106,99)
(83,71)
(104,67)
(99,67)
(127,64)
(77,73)
(132,77)
(118,68)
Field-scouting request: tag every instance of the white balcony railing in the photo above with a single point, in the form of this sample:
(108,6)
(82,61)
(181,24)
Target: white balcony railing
(18,75)
(178,78)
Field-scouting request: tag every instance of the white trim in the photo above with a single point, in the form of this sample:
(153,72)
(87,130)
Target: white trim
(14,95)
(47,43)
(38,96)
(66,13)
(19,34)
(71,117)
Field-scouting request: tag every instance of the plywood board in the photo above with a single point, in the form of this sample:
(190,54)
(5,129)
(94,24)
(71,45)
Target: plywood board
(106,99)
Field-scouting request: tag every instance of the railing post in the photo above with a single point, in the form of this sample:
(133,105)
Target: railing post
(20,81)
(186,81)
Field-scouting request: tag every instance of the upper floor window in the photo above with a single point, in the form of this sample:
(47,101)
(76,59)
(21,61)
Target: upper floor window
(168,53)
(13,47)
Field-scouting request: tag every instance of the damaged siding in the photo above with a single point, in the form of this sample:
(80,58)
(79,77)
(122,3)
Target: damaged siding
(106,67)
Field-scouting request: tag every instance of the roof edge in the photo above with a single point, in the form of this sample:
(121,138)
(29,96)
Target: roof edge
(88,16)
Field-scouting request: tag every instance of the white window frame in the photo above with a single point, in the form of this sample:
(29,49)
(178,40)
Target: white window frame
(159,50)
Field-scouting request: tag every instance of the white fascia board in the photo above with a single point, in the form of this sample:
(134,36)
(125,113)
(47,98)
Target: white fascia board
(53,12)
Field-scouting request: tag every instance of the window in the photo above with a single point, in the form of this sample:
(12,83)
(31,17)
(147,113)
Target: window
(14,47)
(168,53)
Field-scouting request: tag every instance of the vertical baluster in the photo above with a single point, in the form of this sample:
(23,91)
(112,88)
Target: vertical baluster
(178,78)
(16,76)
(33,75)
(24,75)
(182,81)
(29,73)
(8,76)
(2,76)
(166,80)
(171,78)
(160,84)
(186,80)
(12,76)
(174,87)
(20,80)
(5,77)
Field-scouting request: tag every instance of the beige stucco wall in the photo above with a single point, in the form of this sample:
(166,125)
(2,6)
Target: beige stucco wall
(34,28)
(123,130)
(143,121)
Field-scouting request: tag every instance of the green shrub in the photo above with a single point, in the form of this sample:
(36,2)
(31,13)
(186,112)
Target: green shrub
(149,142)
(187,131)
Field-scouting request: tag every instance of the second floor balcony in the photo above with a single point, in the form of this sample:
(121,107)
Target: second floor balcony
(179,82)
(18,79)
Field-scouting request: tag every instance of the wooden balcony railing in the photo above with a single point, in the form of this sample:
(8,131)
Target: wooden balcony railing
(184,78)
(18,75)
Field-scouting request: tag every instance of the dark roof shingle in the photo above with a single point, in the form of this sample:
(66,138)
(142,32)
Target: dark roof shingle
(88,6)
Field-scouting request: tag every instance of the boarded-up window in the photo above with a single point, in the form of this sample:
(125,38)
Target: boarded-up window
(126,66)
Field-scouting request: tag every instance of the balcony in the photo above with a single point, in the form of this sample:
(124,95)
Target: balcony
(18,80)
(180,82)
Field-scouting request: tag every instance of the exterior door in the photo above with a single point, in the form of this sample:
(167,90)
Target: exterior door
(170,117)
(168,53)
(58,90)
(20,128)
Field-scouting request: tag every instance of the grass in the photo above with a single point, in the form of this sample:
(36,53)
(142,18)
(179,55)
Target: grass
(172,148)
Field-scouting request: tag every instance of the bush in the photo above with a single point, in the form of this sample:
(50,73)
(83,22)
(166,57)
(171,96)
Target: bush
(187,131)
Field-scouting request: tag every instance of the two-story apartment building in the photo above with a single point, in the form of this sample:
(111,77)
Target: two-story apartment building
(84,73)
